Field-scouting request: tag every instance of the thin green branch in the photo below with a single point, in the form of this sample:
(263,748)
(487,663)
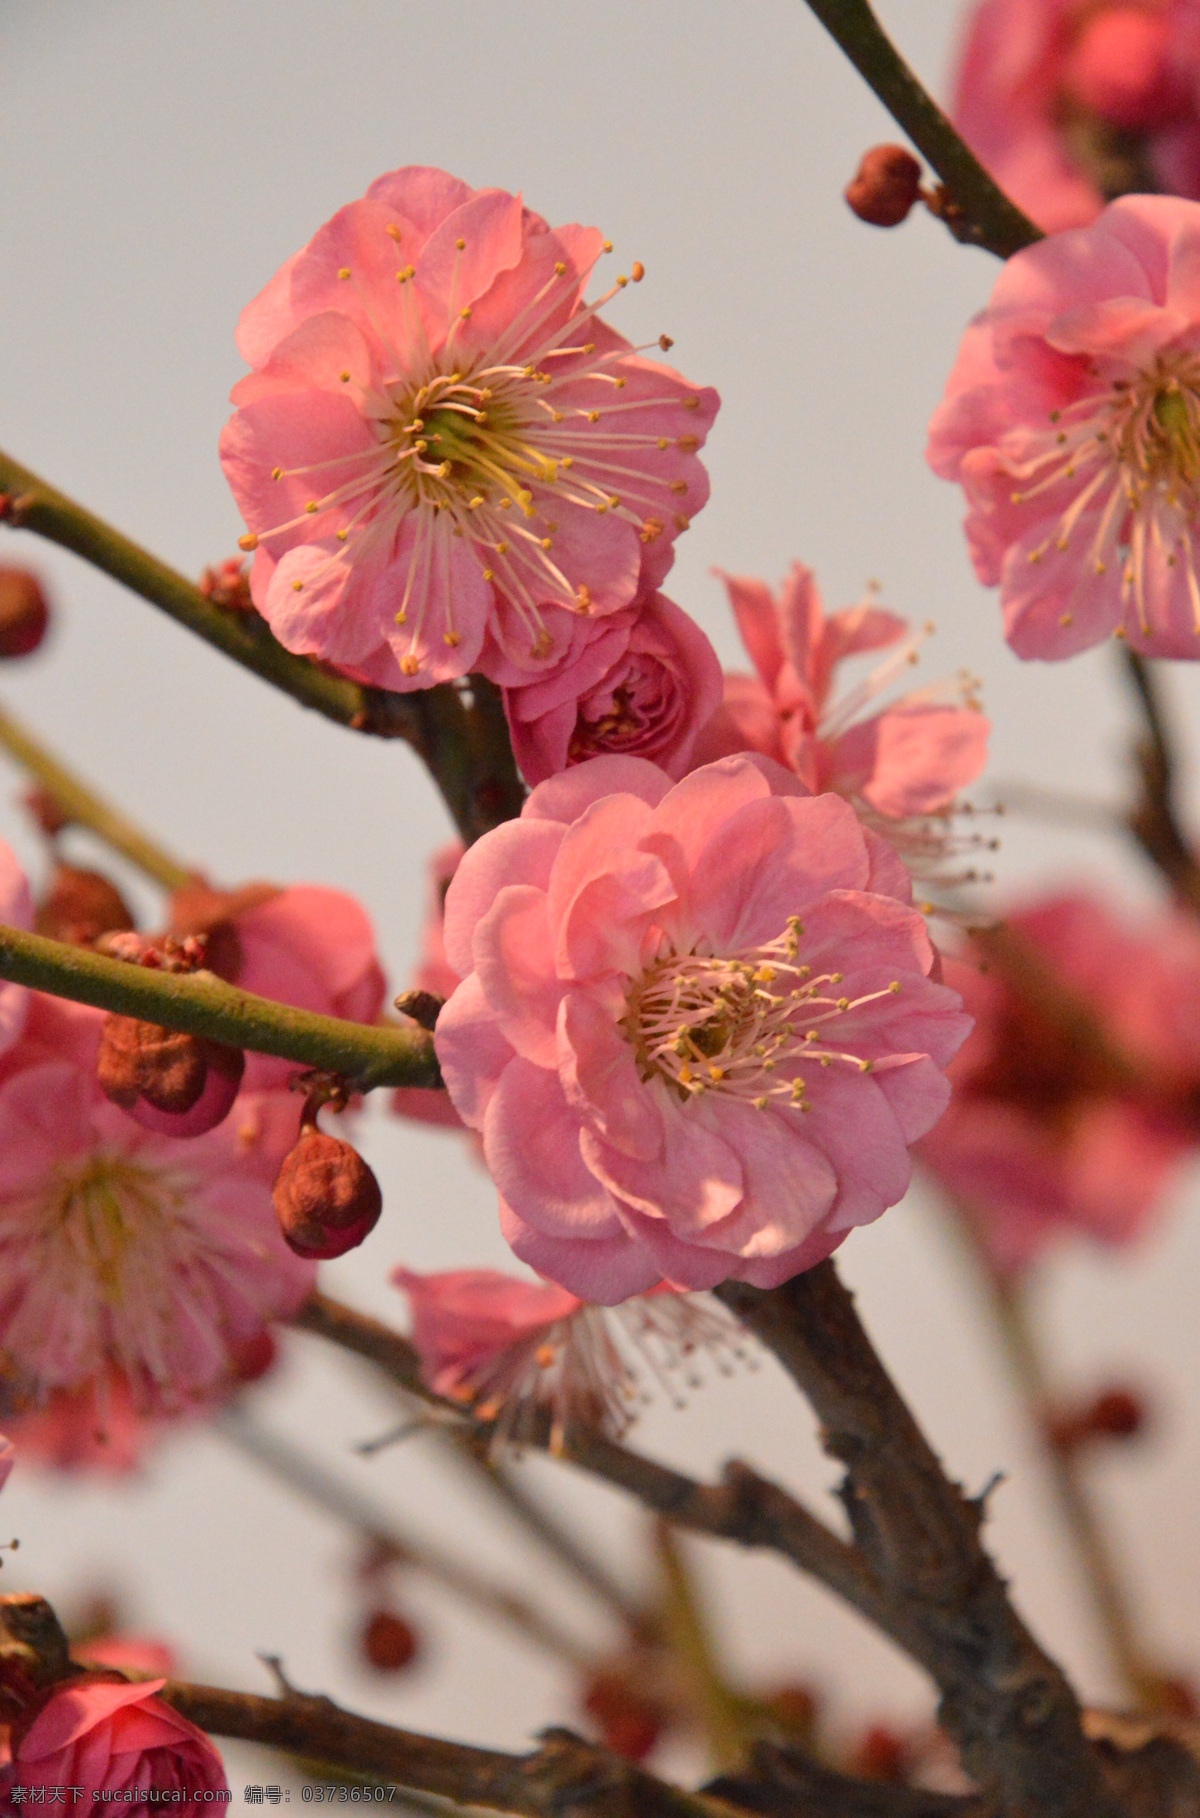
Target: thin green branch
(981,212)
(84,808)
(369,1055)
(462,738)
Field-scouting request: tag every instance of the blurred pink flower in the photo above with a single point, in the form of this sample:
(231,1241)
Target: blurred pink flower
(434,973)
(696,1025)
(1072,421)
(639,683)
(137,1656)
(910,758)
(510,1348)
(124,1249)
(95,1427)
(1077,1096)
(16,911)
(440,439)
(1070,102)
(305,945)
(115,1739)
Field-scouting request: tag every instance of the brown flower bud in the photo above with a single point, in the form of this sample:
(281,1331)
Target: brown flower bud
(80,906)
(326,1198)
(227,584)
(170,1082)
(1115,1413)
(47,811)
(881,1754)
(24,612)
(885,186)
(629,1724)
(388,1642)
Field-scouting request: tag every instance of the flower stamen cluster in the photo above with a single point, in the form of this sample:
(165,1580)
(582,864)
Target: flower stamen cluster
(742,1025)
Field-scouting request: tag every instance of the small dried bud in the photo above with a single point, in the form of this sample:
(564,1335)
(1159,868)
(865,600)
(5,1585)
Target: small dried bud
(199,910)
(423,1007)
(227,584)
(881,1754)
(47,811)
(885,186)
(1115,1413)
(80,906)
(169,1082)
(628,1723)
(326,1198)
(24,612)
(253,1358)
(388,1642)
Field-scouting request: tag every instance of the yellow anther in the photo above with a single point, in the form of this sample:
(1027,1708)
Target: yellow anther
(593,416)
(277,473)
(488,574)
(622,282)
(760,1104)
(464,315)
(843,1003)
(342,535)
(393,232)
(715,1072)
(297,586)
(765,975)
(311,507)
(559,269)
(688,443)
(637,271)
(664,441)
(248,542)
(608,246)
(866,1066)
(567,461)
(691,403)
(344,273)
(461,245)
(402,617)
(666,343)
(678,486)
(344,377)
(894,987)
(475,503)
(452,639)
(682,521)
(835,978)
(685,1075)
(502,549)
(409,665)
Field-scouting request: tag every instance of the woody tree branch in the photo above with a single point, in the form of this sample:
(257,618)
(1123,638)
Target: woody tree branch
(1005,1702)
(461,735)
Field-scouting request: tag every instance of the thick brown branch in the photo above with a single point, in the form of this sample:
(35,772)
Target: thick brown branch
(980,211)
(743,1507)
(462,736)
(565,1777)
(1004,1701)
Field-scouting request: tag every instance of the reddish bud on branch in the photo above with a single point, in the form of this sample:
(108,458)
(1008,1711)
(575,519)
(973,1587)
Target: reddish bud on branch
(885,186)
(80,906)
(24,612)
(326,1198)
(176,1084)
(1115,1413)
(388,1642)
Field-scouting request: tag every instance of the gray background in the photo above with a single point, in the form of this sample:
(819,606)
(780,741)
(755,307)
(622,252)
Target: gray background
(158,163)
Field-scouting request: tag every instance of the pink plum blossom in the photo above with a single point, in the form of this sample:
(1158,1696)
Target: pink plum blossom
(1075,1097)
(510,1348)
(98,1426)
(124,1250)
(16,911)
(639,683)
(116,1739)
(435,974)
(1072,421)
(1071,102)
(304,945)
(440,441)
(696,1025)
(909,758)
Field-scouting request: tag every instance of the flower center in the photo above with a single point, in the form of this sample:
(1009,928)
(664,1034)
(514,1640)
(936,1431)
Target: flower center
(1131,452)
(756,1025)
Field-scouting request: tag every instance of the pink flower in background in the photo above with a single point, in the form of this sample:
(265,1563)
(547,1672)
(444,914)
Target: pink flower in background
(639,683)
(440,440)
(1076,1097)
(121,1249)
(434,973)
(137,1656)
(117,1739)
(95,1427)
(511,1348)
(304,945)
(1070,102)
(910,758)
(7,1457)
(16,911)
(1072,421)
(696,1026)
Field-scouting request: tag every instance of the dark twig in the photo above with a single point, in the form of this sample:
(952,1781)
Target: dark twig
(1003,1700)
(461,734)
(565,1778)
(975,208)
(743,1507)
(784,1783)
(1154,821)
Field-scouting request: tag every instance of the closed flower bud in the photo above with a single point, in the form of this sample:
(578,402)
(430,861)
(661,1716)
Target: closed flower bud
(885,186)
(326,1197)
(1115,1413)
(628,1723)
(80,906)
(24,612)
(167,1081)
(881,1754)
(388,1642)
